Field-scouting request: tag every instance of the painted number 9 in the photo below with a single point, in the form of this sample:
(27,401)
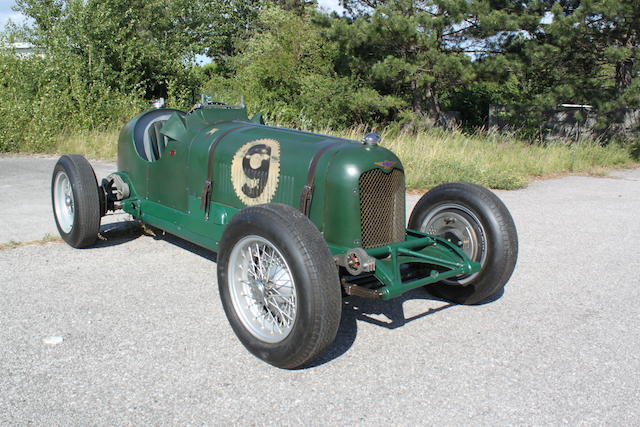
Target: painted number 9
(255,171)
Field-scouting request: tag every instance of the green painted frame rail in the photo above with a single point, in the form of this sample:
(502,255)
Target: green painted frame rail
(417,248)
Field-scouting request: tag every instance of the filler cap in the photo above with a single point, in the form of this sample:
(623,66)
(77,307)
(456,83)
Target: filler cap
(371,139)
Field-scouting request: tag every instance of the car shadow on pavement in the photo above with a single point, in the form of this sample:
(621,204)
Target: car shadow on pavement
(389,314)
(374,311)
(117,233)
(184,244)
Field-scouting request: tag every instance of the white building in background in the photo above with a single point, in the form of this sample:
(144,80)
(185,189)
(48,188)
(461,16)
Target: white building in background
(22,48)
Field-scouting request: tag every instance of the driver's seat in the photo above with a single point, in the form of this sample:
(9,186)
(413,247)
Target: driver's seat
(157,141)
(150,143)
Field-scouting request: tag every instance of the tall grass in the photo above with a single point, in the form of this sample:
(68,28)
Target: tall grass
(92,144)
(436,156)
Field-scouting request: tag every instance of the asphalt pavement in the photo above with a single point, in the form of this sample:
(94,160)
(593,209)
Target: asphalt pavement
(132,332)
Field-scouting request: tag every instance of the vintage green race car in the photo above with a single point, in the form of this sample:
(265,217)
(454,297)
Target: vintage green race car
(297,221)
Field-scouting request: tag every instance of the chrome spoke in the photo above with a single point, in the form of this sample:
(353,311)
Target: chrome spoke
(277,307)
(262,289)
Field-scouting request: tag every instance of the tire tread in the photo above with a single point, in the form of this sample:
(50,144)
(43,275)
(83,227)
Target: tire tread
(86,198)
(321,270)
(502,266)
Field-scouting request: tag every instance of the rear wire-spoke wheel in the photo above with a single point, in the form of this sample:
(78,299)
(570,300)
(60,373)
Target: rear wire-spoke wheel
(262,289)
(75,197)
(474,219)
(279,285)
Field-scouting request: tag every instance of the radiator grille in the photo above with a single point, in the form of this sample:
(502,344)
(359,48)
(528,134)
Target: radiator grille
(381,207)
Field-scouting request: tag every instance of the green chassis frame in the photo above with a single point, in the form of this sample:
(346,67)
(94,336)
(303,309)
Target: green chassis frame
(417,248)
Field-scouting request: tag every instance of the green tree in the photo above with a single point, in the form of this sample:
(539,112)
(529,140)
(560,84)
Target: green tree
(287,71)
(421,50)
(218,26)
(141,46)
(610,29)
(300,7)
(584,52)
(97,61)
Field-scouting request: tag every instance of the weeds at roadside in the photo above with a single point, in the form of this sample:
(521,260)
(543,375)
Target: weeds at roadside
(12,244)
(437,156)
(493,160)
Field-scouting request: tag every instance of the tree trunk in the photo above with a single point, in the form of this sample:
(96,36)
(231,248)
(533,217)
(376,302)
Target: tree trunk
(624,74)
(433,107)
(416,101)
(624,68)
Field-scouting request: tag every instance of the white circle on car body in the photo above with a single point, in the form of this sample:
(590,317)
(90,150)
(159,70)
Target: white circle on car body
(255,171)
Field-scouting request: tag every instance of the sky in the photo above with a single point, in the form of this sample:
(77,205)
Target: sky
(328,4)
(6,13)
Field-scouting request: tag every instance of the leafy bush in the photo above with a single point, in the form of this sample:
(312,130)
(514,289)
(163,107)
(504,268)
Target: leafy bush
(40,101)
(287,72)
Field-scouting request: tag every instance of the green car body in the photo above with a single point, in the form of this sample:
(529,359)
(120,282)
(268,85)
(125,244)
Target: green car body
(296,219)
(190,173)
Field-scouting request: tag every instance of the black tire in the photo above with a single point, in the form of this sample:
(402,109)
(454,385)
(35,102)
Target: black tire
(493,241)
(77,217)
(300,254)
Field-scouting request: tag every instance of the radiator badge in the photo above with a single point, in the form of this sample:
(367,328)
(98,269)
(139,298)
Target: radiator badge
(386,165)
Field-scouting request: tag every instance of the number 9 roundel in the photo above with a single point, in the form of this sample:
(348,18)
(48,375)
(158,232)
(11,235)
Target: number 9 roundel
(255,171)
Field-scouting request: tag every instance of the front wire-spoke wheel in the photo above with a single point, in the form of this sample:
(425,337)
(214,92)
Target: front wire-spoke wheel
(279,285)
(262,289)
